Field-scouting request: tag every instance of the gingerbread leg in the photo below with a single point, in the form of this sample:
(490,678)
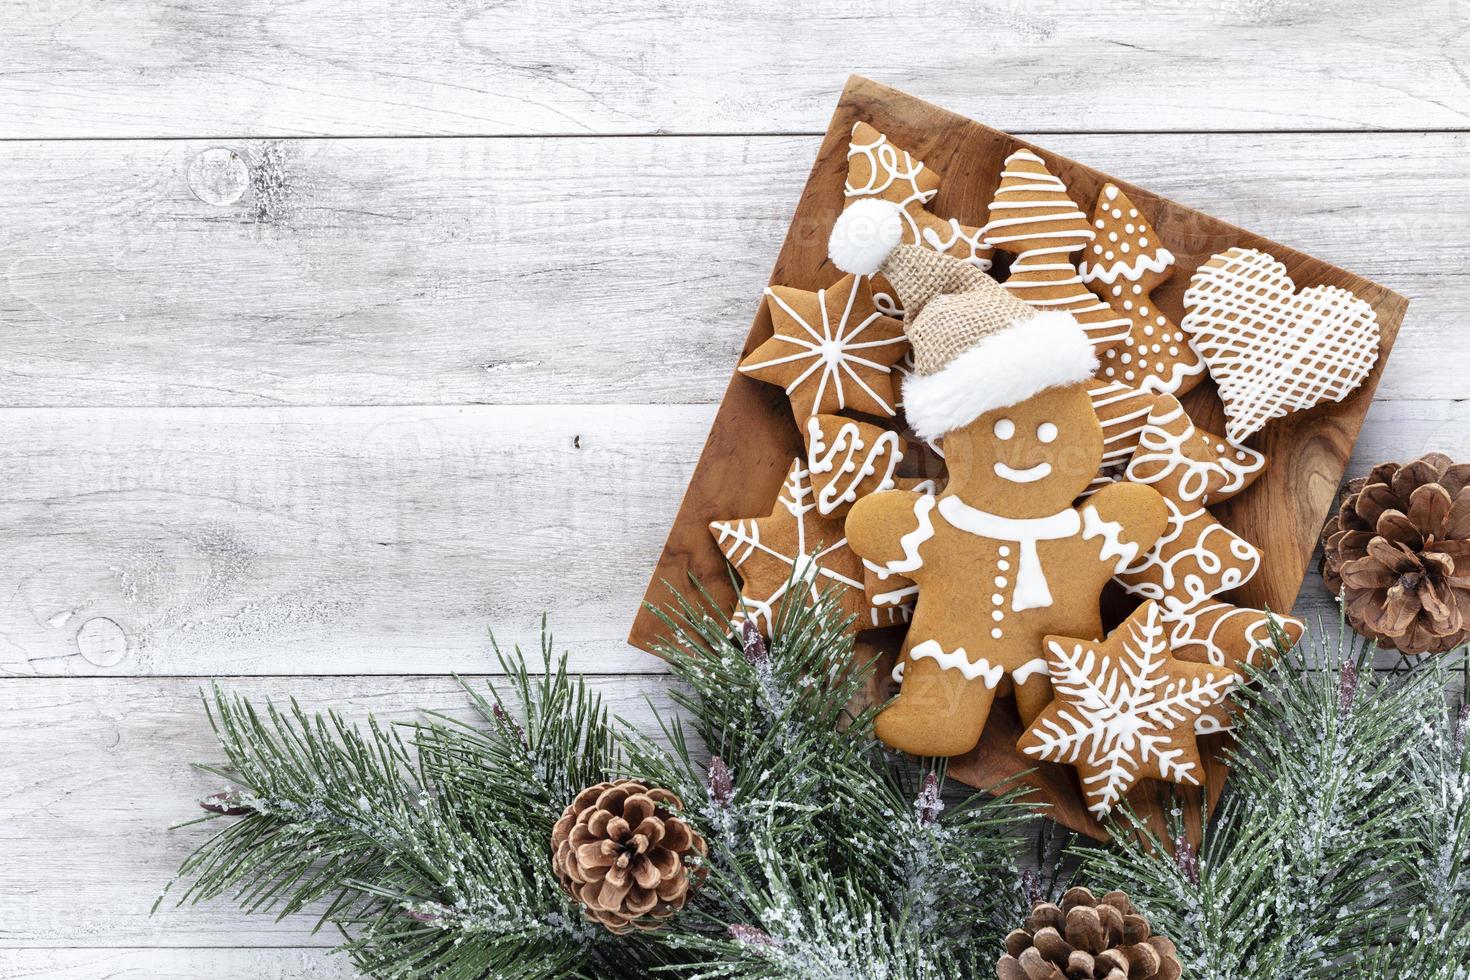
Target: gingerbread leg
(1032,696)
(938,712)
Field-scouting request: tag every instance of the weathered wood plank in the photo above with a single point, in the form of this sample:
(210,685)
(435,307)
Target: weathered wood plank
(212,67)
(242,541)
(98,769)
(158,963)
(333,541)
(559,270)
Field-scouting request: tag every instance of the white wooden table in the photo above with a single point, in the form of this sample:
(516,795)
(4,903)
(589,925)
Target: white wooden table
(337,333)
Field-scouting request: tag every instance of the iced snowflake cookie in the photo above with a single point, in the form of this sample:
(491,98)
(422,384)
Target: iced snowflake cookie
(794,548)
(1217,633)
(1122,266)
(1033,218)
(1197,557)
(1271,348)
(830,350)
(877,168)
(848,459)
(1125,710)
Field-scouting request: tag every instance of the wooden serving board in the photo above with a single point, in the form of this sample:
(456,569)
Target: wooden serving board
(754,437)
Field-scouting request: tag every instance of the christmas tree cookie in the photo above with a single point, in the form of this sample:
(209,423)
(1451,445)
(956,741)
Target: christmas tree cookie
(1033,218)
(1122,266)
(830,350)
(1125,710)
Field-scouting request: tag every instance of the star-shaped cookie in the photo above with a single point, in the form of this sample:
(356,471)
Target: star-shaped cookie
(795,548)
(830,350)
(1124,709)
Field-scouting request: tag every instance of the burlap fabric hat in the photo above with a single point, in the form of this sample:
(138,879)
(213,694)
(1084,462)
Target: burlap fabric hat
(976,347)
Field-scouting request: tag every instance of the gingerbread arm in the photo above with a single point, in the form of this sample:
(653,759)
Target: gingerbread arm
(1126,519)
(886,529)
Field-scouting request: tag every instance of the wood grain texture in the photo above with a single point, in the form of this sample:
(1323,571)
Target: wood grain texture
(78,68)
(231,541)
(532,271)
(98,769)
(163,963)
(747,454)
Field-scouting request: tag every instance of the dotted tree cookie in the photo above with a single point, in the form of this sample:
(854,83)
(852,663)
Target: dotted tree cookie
(830,350)
(1033,218)
(1122,266)
(1125,710)
(794,548)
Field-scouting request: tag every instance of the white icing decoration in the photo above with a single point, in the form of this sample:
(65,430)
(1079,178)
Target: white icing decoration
(831,350)
(960,661)
(1123,412)
(1161,457)
(1031,474)
(1032,591)
(1159,262)
(848,443)
(893,174)
(1118,716)
(897,674)
(1185,563)
(1273,349)
(1113,546)
(1004,429)
(1024,673)
(910,543)
(1047,432)
(1037,199)
(740,540)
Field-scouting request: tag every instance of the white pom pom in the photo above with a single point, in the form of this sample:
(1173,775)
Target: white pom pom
(864,235)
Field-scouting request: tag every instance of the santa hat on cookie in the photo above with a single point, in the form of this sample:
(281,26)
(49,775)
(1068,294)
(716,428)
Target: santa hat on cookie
(976,347)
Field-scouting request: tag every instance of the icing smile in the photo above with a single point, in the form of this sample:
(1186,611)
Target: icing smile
(1029,475)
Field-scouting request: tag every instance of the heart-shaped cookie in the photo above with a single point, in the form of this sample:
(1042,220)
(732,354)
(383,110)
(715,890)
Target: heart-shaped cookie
(1272,349)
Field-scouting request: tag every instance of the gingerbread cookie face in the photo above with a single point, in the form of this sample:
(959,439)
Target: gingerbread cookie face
(1222,635)
(848,459)
(830,350)
(1033,218)
(1274,349)
(1188,464)
(1124,710)
(1035,456)
(1122,266)
(876,167)
(794,549)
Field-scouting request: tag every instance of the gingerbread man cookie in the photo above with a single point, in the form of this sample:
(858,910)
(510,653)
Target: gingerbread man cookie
(794,549)
(1123,265)
(830,350)
(1033,218)
(1004,526)
(1124,710)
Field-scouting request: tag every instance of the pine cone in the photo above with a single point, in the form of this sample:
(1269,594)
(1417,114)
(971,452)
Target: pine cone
(622,852)
(1087,939)
(1398,552)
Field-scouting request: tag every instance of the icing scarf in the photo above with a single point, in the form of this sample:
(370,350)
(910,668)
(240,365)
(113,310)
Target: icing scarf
(1031,590)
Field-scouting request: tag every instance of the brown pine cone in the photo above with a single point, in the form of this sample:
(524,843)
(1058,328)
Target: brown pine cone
(621,851)
(1398,552)
(1087,939)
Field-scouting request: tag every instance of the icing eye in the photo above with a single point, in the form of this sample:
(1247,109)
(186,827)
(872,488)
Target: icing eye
(1004,429)
(1046,432)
